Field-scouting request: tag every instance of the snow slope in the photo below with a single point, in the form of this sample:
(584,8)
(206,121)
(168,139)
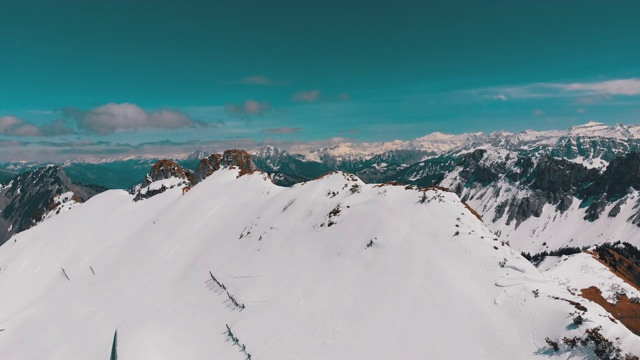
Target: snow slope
(552,229)
(429,286)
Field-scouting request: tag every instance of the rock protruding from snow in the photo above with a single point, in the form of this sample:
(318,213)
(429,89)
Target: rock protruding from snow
(240,159)
(164,175)
(207,166)
(165,169)
(230,158)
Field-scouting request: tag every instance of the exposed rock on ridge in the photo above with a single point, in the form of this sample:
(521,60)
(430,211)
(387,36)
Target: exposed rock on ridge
(164,175)
(167,174)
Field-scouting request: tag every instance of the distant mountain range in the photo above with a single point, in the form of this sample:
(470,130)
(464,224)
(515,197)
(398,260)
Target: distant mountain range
(541,190)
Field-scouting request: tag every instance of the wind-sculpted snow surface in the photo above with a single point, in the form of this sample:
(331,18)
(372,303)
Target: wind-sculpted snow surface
(328,269)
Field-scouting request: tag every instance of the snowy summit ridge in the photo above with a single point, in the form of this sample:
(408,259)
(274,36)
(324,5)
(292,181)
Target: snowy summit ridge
(328,269)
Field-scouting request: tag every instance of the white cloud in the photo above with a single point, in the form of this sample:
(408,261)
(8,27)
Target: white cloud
(27,130)
(113,117)
(585,92)
(627,87)
(13,126)
(8,123)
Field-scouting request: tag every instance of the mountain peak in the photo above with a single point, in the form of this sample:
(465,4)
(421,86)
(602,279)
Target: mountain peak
(594,128)
(240,159)
(197,155)
(230,158)
(165,169)
(268,151)
(164,174)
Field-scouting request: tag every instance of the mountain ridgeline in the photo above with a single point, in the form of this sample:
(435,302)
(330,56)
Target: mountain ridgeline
(34,195)
(586,177)
(333,268)
(167,174)
(218,238)
(529,187)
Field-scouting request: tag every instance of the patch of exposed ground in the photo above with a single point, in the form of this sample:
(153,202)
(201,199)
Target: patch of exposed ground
(626,311)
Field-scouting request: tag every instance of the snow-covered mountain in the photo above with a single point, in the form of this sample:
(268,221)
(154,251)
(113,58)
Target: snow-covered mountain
(542,190)
(36,195)
(592,145)
(541,202)
(439,143)
(288,169)
(435,143)
(239,268)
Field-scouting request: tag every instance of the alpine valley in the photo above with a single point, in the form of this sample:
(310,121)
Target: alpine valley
(472,246)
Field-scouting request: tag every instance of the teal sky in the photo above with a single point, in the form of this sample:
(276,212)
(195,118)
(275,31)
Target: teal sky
(106,78)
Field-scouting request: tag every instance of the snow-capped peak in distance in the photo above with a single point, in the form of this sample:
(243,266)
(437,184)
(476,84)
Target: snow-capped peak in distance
(349,151)
(438,142)
(268,151)
(597,129)
(197,155)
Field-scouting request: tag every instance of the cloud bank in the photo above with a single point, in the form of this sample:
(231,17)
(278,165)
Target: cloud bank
(13,126)
(627,87)
(587,92)
(112,117)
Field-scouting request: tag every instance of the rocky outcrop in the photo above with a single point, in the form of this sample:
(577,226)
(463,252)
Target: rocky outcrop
(230,158)
(167,174)
(240,159)
(30,197)
(558,176)
(164,175)
(552,181)
(622,174)
(207,166)
(166,169)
